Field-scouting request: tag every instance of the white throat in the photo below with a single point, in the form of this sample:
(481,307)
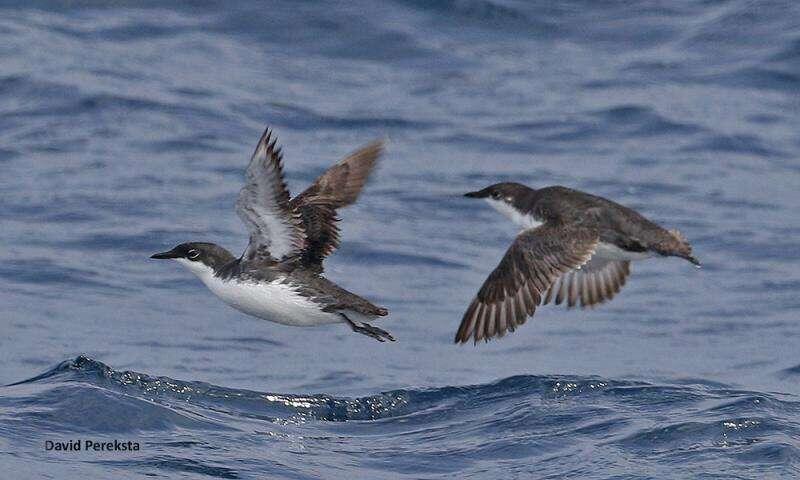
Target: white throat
(203,271)
(523,220)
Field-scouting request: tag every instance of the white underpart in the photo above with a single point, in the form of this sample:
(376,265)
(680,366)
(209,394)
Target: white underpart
(275,301)
(523,220)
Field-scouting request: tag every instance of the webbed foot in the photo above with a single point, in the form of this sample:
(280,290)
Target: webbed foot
(378,334)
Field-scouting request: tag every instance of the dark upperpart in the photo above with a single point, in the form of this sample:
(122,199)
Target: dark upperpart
(616,224)
(207,253)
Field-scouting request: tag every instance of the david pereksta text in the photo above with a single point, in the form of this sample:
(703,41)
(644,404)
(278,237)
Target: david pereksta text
(84,445)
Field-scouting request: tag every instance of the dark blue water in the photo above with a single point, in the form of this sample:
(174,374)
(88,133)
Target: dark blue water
(125,130)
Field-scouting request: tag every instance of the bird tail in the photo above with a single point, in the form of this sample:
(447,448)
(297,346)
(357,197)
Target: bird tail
(676,245)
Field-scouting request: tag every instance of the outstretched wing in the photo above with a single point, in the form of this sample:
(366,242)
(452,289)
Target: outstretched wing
(338,187)
(530,266)
(597,281)
(276,232)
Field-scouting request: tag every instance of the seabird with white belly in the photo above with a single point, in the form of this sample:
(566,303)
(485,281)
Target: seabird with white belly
(575,248)
(279,275)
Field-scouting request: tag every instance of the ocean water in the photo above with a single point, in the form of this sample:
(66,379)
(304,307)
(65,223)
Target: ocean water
(125,129)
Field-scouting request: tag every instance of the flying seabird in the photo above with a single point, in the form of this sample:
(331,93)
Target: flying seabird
(575,248)
(279,275)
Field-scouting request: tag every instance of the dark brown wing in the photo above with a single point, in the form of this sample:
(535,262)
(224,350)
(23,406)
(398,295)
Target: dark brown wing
(276,232)
(341,184)
(595,282)
(338,187)
(513,290)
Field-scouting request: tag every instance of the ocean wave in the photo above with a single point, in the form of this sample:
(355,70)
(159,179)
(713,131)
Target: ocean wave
(515,417)
(124,128)
(90,375)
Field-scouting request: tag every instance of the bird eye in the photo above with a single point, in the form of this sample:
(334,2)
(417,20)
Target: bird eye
(192,254)
(496,195)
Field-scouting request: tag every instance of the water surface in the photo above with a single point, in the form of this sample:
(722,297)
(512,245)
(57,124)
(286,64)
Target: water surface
(125,130)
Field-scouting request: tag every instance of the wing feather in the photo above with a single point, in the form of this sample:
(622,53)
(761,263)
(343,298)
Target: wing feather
(276,232)
(595,282)
(338,187)
(537,258)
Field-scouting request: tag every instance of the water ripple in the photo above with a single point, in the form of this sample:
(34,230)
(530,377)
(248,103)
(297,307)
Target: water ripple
(516,417)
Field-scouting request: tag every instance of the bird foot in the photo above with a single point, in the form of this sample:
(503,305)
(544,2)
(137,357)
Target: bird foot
(378,334)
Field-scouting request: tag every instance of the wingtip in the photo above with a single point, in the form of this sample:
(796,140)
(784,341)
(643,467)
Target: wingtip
(381,141)
(461,338)
(378,145)
(267,142)
(367,155)
(265,136)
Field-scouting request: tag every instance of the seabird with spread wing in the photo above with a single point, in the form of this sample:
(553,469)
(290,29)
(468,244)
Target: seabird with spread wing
(575,248)
(279,275)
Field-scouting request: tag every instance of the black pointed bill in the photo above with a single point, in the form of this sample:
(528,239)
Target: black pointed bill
(479,194)
(167,255)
